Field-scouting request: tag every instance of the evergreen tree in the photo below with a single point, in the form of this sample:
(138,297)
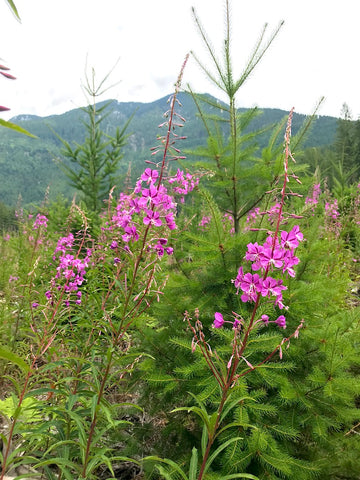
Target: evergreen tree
(346,144)
(96,161)
(288,414)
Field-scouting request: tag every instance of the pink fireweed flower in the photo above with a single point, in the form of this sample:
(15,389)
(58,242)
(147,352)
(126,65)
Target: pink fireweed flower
(314,199)
(236,324)
(70,273)
(281,321)
(138,186)
(64,244)
(130,234)
(273,213)
(219,320)
(253,252)
(228,224)
(265,319)
(331,209)
(179,177)
(152,218)
(270,257)
(79,295)
(137,204)
(289,262)
(290,240)
(251,286)
(237,281)
(151,194)
(186,183)
(170,221)
(271,286)
(149,175)
(252,216)
(159,249)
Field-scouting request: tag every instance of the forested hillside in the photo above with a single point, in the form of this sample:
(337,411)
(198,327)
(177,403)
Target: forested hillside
(28,166)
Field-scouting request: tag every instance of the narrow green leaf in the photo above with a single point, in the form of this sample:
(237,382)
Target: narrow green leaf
(204,440)
(240,475)
(94,406)
(12,126)
(13,358)
(219,450)
(172,464)
(193,464)
(203,415)
(235,424)
(13,8)
(230,405)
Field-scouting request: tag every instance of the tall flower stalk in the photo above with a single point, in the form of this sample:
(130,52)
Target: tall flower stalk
(276,254)
(138,232)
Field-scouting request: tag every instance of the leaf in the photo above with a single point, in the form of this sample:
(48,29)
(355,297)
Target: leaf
(13,358)
(240,475)
(175,466)
(62,463)
(219,450)
(203,415)
(13,8)
(235,424)
(230,405)
(204,440)
(193,464)
(12,126)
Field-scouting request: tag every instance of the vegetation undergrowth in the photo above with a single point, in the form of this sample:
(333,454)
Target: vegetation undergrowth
(167,335)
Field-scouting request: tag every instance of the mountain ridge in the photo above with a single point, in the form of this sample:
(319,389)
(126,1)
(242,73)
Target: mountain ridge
(28,165)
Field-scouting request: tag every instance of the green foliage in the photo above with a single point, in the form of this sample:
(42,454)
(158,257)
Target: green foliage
(96,161)
(13,8)
(286,415)
(134,373)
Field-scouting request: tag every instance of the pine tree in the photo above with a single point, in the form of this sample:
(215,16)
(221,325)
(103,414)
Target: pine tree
(96,161)
(291,415)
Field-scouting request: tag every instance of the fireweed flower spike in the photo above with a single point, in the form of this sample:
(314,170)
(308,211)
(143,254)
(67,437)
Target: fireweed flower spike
(276,254)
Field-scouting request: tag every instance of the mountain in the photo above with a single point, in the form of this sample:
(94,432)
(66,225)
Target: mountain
(28,166)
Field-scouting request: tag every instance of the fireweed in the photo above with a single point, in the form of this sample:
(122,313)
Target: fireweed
(261,286)
(125,261)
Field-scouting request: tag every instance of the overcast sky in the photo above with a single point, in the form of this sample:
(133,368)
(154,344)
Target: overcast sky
(315,54)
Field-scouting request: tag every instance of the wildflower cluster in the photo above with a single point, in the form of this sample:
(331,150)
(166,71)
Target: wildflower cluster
(332,221)
(149,205)
(40,220)
(276,253)
(204,222)
(71,270)
(227,221)
(315,195)
(273,254)
(331,209)
(256,214)
(186,183)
